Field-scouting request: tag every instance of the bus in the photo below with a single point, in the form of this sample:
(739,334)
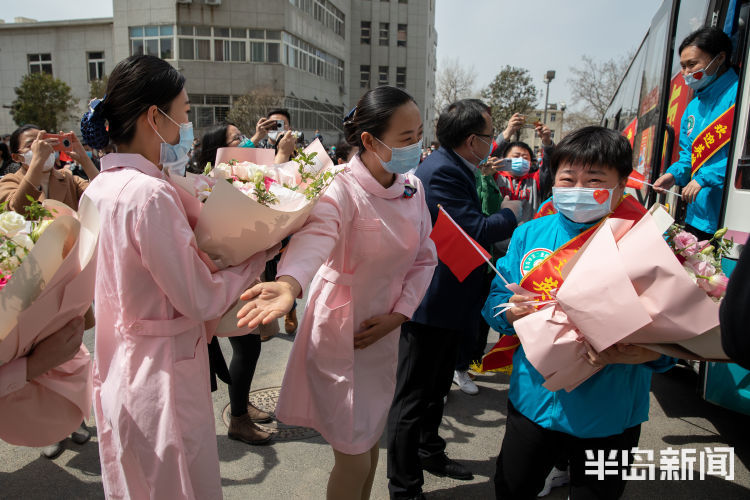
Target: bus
(648,107)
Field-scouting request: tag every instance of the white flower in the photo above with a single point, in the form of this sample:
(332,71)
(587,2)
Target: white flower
(23,240)
(247,171)
(10,264)
(222,171)
(288,200)
(11,223)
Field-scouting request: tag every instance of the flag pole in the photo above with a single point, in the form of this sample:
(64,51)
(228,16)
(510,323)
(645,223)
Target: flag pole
(649,184)
(473,244)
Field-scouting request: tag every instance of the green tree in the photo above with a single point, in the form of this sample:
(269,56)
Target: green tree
(512,91)
(247,109)
(97,88)
(43,100)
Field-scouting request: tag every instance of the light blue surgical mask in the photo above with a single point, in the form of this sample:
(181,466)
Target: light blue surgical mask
(245,142)
(698,80)
(174,157)
(402,159)
(582,204)
(482,161)
(520,166)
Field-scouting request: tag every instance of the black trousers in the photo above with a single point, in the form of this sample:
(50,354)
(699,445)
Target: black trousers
(426,358)
(529,451)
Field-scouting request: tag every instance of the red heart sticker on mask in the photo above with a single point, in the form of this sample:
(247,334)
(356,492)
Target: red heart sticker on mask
(698,75)
(601,195)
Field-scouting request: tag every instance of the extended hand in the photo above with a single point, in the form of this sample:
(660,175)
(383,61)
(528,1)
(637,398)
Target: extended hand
(620,353)
(56,349)
(515,205)
(267,302)
(518,312)
(376,328)
(514,125)
(262,128)
(690,192)
(664,182)
(286,146)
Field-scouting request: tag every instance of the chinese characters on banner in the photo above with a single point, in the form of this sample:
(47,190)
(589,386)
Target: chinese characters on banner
(679,97)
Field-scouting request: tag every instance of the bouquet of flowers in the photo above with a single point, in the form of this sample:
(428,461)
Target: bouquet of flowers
(612,294)
(702,259)
(48,262)
(245,204)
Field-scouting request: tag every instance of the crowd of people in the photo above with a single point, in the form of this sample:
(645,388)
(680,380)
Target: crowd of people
(388,327)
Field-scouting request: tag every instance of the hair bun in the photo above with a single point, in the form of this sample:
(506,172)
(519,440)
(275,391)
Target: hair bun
(94,126)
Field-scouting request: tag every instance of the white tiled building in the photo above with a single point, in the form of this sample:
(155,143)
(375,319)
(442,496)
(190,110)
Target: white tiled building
(309,51)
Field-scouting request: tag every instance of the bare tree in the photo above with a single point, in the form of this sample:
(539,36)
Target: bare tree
(247,109)
(454,82)
(594,85)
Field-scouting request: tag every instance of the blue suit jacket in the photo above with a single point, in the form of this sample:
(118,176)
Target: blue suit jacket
(448,181)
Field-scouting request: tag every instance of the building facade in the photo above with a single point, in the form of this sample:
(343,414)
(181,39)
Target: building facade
(308,53)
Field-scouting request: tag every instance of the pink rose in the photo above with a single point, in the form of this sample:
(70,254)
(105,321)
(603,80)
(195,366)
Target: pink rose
(700,267)
(717,285)
(683,240)
(4,279)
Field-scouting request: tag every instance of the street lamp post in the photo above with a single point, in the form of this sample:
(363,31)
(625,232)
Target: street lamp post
(562,117)
(548,77)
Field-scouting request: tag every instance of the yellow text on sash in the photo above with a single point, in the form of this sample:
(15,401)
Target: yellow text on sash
(711,140)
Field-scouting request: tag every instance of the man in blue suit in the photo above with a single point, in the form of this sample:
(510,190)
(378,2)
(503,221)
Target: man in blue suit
(450,309)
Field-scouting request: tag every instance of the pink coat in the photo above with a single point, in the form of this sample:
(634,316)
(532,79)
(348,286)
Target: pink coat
(152,399)
(369,249)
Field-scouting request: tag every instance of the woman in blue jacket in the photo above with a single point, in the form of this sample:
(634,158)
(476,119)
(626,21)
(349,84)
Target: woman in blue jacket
(605,412)
(705,130)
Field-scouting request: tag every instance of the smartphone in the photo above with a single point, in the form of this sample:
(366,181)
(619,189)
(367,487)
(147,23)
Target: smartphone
(64,141)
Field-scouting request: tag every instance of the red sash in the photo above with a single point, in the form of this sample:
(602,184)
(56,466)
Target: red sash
(711,140)
(546,276)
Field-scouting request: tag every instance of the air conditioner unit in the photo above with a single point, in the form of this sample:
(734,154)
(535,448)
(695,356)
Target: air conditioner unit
(213,2)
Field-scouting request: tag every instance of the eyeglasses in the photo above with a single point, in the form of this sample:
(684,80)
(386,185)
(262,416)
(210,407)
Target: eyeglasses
(492,135)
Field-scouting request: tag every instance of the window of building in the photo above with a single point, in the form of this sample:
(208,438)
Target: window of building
(314,115)
(364,36)
(401,77)
(325,12)
(208,110)
(552,117)
(96,65)
(401,35)
(383,75)
(152,40)
(40,63)
(306,57)
(384,35)
(552,134)
(364,76)
(403,1)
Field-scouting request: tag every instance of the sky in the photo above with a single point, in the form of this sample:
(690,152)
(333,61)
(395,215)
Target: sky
(485,35)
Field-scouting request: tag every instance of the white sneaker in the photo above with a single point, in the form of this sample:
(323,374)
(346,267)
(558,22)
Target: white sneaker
(555,478)
(465,383)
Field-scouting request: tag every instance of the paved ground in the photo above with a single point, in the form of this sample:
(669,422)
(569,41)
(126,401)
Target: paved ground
(473,427)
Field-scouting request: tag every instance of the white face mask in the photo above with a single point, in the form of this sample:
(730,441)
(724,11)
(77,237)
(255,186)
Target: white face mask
(48,163)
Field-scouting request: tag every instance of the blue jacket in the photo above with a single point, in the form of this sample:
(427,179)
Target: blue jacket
(614,399)
(706,106)
(447,180)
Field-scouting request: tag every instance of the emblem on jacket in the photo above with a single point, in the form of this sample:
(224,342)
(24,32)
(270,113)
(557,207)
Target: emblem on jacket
(690,124)
(533,258)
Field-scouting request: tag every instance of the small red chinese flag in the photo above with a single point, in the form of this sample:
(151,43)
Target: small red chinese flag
(455,248)
(500,357)
(635,180)
(64,157)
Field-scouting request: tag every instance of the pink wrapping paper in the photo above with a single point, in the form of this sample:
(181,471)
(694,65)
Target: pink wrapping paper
(51,406)
(623,286)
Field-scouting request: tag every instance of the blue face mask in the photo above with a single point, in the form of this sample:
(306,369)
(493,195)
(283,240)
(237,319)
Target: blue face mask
(698,80)
(402,159)
(482,161)
(245,142)
(582,204)
(90,154)
(520,166)
(174,157)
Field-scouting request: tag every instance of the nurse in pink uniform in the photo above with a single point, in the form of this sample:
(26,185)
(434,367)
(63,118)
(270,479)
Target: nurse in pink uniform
(367,251)
(153,294)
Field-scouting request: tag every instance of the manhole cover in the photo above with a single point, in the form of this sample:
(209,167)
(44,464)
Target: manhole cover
(265,399)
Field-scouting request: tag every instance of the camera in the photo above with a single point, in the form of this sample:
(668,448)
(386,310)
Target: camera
(64,141)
